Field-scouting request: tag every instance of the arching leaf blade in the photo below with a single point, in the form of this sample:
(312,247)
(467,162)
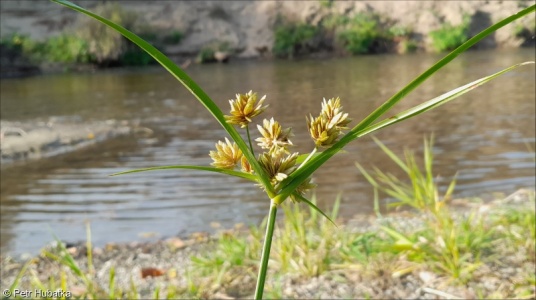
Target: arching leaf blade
(436,102)
(247,176)
(313,206)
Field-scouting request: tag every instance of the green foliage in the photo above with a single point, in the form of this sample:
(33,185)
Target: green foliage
(360,33)
(526,32)
(408,45)
(451,247)
(449,37)
(65,49)
(402,36)
(400,31)
(110,47)
(207,54)
(173,38)
(421,192)
(292,38)
(326,3)
(18,42)
(62,49)
(91,42)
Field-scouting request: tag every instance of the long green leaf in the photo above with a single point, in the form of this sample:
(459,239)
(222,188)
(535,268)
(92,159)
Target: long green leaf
(199,168)
(296,178)
(189,84)
(21,273)
(313,206)
(431,104)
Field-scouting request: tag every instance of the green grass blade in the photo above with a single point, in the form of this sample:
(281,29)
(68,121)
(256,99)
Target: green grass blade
(188,83)
(428,160)
(335,210)
(313,206)
(366,174)
(199,168)
(451,187)
(111,284)
(66,259)
(302,157)
(297,177)
(393,156)
(19,276)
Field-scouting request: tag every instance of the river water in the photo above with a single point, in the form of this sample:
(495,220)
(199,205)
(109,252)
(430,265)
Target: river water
(486,136)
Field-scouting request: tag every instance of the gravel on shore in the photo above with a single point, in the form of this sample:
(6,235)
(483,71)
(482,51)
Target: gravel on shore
(165,263)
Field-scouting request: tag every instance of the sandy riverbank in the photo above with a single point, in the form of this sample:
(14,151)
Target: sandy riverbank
(31,140)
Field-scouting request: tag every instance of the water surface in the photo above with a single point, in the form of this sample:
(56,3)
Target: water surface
(485,136)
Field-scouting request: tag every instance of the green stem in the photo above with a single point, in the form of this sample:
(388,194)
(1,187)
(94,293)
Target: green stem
(309,157)
(249,140)
(266,251)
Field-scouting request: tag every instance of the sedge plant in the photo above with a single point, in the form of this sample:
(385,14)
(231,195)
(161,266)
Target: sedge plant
(279,171)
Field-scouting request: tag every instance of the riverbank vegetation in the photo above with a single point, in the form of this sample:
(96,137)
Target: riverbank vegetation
(91,42)
(449,36)
(484,250)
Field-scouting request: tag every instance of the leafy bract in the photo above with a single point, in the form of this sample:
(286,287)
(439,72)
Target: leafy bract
(199,168)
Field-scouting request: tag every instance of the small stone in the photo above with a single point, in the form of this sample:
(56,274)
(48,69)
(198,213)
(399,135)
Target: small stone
(427,277)
(152,272)
(176,243)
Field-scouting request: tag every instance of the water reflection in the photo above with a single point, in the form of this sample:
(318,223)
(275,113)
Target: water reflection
(484,136)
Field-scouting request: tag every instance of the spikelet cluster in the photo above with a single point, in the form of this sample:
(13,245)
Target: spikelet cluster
(276,160)
(273,136)
(328,126)
(244,108)
(226,156)
(278,164)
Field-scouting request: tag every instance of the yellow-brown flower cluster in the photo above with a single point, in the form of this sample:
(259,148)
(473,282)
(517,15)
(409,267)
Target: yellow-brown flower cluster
(226,156)
(277,161)
(244,108)
(273,136)
(327,127)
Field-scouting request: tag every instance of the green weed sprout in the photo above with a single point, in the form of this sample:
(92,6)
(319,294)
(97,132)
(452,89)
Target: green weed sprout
(282,174)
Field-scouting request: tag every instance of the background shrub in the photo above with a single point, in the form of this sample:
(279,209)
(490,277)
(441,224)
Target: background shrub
(293,38)
(63,49)
(361,34)
(108,47)
(449,37)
